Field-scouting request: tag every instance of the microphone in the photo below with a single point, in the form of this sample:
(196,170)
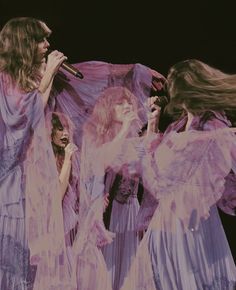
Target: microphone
(71,69)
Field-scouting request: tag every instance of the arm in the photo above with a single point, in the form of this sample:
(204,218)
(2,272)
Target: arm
(55,60)
(114,150)
(66,168)
(153,136)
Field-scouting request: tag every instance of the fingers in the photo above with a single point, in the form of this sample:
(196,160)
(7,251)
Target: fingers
(57,55)
(70,148)
(55,59)
(152,107)
(130,116)
(153,101)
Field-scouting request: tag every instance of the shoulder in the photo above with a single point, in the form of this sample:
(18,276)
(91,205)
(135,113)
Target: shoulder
(214,120)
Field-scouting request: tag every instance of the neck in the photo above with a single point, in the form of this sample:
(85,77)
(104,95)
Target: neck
(58,150)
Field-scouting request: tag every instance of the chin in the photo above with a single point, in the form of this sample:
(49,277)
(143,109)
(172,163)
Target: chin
(62,145)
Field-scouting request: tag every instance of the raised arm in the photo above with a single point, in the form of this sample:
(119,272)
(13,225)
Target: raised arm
(66,168)
(54,61)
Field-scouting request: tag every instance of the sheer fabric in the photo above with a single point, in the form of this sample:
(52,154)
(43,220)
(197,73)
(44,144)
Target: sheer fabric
(185,246)
(77,99)
(31,216)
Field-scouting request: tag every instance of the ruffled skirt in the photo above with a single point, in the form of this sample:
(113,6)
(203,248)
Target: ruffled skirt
(183,260)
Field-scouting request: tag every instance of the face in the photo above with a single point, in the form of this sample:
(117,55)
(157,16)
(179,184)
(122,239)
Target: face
(61,137)
(43,46)
(121,108)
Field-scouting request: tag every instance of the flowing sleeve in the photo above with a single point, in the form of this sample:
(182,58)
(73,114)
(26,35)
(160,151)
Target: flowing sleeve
(187,175)
(30,175)
(20,114)
(147,208)
(227,202)
(92,232)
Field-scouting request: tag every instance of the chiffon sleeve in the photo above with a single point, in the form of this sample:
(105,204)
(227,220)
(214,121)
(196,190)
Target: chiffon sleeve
(29,176)
(187,175)
(227,202)
(19,115)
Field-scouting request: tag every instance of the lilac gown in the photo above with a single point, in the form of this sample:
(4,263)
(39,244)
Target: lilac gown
(70,208)
(19,115)
(185,246)
(31,224)
(122,221)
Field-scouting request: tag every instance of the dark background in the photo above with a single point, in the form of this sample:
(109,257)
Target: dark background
(154,33)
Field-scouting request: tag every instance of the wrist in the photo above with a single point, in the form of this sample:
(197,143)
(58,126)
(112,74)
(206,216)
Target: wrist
(67,159)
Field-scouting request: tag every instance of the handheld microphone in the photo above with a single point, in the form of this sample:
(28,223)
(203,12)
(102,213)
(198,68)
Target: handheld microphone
(69,67)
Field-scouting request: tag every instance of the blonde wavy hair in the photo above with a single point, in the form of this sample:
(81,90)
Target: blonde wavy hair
(19,40)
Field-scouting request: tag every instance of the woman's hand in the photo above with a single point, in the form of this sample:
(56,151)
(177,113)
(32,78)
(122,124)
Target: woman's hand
(54,61)
(70,149)
(130,122)
(66,168)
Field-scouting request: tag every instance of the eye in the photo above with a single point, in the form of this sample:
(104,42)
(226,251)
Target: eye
(41,39)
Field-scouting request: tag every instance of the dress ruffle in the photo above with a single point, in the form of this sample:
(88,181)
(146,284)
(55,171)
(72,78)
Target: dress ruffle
(188,177)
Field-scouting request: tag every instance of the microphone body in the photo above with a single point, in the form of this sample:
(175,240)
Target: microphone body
(71,69)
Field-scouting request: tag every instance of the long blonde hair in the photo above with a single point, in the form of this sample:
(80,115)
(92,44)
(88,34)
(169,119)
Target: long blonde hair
(200,87)
(19,40)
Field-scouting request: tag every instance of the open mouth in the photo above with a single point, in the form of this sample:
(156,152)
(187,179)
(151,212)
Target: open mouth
(64,140)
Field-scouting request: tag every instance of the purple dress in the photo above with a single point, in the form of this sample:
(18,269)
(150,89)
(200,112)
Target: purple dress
(19,115)
(122,221)
(185,246)
(70,208)
(32,244)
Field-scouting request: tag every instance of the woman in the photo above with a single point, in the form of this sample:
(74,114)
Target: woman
(29,202)
(185,246)
(68,169)
(124,204)
(114,118)
(67,162)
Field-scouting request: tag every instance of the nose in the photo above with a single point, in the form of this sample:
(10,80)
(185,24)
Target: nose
(46,43)
(127,104)
(65,133)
